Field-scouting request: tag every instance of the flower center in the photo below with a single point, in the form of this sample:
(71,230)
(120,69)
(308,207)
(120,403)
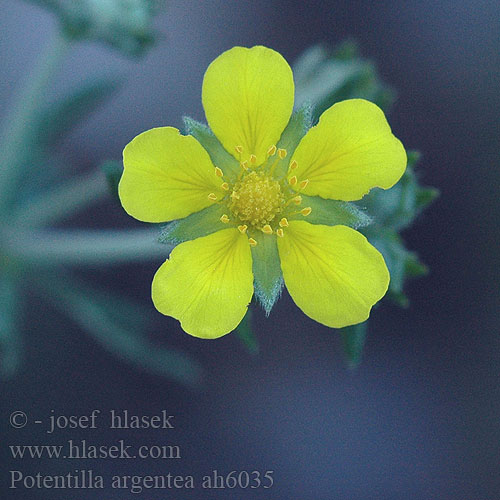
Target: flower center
(256,199)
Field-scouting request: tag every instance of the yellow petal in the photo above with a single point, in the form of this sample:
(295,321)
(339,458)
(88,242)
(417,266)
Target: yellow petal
(166,176)
(331,272)
(248,99)
(350,151)
(206,283)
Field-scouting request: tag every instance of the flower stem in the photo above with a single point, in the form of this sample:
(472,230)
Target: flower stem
(19,122)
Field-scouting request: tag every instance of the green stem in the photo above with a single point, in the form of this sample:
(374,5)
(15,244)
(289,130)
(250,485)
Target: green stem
(62,201)
(84,247)
(19,122)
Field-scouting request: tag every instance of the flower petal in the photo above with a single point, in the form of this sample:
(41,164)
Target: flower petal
(332,273)
(206,283)
(350,151)
(248,99)
(167,176)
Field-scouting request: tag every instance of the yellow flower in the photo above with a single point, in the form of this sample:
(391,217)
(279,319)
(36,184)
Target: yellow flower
(261,207)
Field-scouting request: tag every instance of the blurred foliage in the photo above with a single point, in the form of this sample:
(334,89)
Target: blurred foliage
(123,24)
(323,77)
(246,334)
(35,194)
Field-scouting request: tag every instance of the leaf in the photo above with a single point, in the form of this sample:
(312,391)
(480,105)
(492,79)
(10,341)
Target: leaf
(246,335)
(353,341)
(119,325)
(113,170)
(62,116)
(402,264)
(10,340)
(398,207)
(324,77)
(266,268)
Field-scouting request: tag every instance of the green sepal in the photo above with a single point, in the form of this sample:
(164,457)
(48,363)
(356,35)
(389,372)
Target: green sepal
(266,267)
(353,341)
(246,334)
(113,170)
(219,156)
(202,223)
(300,122)
(332,213)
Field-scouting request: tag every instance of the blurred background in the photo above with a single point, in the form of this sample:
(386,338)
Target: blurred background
(419,418)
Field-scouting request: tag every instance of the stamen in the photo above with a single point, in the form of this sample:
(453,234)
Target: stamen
(282,153)
(303,184)
(244,164)
(239,149)
(225,186)
(243,229)
(293,180)
(271,151)
(267,229)
(306,211)
(218,172)
(224,219)
(253,159)
(293,165)
(296,199)
(283,222)
(280,232)
(252,242)
(212,196)
(234,195)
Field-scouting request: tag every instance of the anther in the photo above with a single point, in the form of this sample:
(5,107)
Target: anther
(282,153)
(283,222)
(243,229)
(244,164)
(293,180)
(271,151)
(225,186)
(306,211)
(280,232)
(212,196)
(239,149)
(234,195)
(267,229)
(303,184)
(252,242)
(224,219)
(293,165)
(297,200)
(253,158)
(218,172)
